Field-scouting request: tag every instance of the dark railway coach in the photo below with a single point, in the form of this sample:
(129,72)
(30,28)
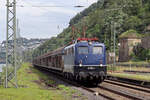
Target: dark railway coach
(84,60)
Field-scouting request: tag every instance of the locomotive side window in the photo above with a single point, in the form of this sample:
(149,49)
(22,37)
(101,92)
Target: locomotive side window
(69,51)
(97,50)
(83,50)
(72,51)
(65,52)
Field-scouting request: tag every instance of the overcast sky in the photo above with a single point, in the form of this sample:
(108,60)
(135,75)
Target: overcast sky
(42,22)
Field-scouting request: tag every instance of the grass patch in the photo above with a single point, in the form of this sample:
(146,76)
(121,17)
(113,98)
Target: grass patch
(63,87)
(136,63)
(131,76)
(118,71)
(71,92)
(132,68)
(30,90)
(28,94)
(67,90)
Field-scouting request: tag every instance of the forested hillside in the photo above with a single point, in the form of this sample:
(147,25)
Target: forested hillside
(99,20)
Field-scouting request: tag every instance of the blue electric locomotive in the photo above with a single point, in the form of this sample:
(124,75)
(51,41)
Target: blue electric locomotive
(85,60)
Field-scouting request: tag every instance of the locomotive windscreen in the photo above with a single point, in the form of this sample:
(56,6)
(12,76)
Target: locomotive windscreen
(83,50)
(97,50)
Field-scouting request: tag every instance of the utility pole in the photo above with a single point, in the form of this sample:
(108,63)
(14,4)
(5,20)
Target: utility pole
(11,59)
(114,44)
(19,49)
(112,39)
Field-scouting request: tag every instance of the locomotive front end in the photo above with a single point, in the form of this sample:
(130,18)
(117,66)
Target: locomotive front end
(90,61)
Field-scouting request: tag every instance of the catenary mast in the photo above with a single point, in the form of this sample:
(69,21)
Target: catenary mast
(11,59)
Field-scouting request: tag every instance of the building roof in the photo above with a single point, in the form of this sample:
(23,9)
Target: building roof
(130,34)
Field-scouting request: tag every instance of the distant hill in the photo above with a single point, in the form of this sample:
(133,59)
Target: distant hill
(99,20)
(23,45)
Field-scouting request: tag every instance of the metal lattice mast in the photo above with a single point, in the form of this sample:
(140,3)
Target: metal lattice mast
(11,43)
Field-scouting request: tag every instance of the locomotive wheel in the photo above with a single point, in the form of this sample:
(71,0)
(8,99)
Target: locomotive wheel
(64,75)
(71,77)
(80,78)
(67,75)
(77,78)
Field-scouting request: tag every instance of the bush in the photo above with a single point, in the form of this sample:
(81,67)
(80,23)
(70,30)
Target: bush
(141,53)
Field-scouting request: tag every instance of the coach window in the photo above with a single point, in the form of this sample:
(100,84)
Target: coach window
(65,52)
(72,50)
(83,50)
(97,50)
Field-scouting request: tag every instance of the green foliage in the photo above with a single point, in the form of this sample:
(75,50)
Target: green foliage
(63,87)
(132,22)
(130,33)
(28,88)
(132,6)
(99,19)
(141,53)
(131,76)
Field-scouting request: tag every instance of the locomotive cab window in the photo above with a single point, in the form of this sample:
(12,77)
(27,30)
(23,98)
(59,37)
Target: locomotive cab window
(83,50)
(97,50)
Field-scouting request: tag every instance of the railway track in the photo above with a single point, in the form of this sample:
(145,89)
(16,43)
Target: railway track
(121,94)
(116,94)
(108,92)
(135,87)
(139,83)
(91,90)
(126,90)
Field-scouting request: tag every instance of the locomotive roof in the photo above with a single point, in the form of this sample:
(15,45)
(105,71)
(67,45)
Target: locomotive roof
(83,43)
(93,42)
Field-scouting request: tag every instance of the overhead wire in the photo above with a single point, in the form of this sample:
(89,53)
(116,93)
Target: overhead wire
(41,6)
(78,6)
(46,6)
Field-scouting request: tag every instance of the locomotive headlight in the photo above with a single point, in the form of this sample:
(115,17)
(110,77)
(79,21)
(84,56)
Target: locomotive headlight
(80,65)
(101,65)
(90,43)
